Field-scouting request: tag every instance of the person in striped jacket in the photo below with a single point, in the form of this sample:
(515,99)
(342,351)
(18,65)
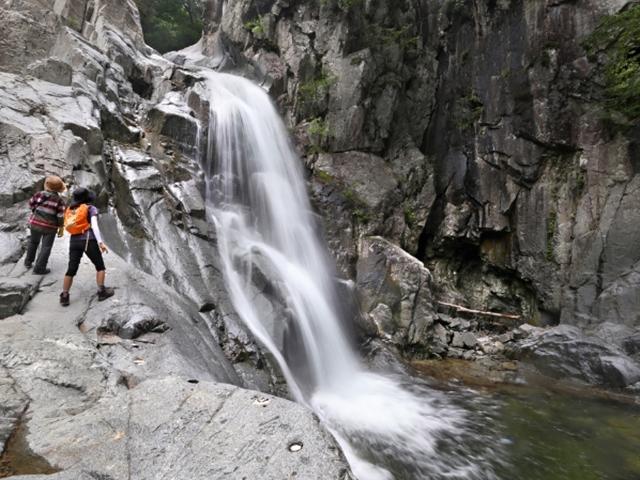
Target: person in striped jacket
(47,218)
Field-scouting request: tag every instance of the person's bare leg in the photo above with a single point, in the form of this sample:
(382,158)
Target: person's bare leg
(66,286)
(67,282)
(100,278)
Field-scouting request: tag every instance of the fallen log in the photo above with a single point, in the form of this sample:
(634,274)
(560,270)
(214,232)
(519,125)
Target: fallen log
(460,308)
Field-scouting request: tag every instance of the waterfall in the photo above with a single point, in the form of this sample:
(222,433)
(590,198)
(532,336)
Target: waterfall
(257,199)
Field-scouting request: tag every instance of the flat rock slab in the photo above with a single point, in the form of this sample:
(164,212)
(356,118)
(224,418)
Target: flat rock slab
(170,428)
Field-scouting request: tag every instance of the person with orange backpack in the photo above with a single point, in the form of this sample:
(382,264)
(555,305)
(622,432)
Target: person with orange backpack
(81,221)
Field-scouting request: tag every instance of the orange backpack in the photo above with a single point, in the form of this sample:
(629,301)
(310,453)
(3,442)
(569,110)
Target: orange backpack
(76,220)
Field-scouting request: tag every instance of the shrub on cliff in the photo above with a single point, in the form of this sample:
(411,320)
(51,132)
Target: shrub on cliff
(170,24)
(618,39)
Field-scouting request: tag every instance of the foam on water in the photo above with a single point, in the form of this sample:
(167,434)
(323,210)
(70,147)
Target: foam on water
(258,201)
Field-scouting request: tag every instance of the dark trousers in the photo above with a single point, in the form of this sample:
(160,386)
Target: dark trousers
(47,238)
(80,247)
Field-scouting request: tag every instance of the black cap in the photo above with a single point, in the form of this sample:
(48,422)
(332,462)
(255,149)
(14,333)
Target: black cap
(82,195)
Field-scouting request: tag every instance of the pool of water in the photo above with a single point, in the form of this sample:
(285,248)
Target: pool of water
(538,431)
(18,459)
(553,436)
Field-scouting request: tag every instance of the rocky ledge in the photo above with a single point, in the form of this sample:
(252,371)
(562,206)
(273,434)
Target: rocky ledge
(133,388)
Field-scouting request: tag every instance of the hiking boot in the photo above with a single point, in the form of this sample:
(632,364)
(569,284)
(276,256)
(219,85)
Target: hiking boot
(64,299)
(28,265)
(105,293)
(41,271)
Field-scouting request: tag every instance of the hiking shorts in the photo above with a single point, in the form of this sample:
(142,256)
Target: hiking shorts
(77,248)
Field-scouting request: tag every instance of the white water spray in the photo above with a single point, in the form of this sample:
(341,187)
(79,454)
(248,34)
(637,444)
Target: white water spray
(258,202)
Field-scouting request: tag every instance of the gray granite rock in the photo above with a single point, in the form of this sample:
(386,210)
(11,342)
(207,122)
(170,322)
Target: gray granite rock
(393,283)
(95,403)
(11,248)
(172,427)
(51,70)
(464,340)
(566,352)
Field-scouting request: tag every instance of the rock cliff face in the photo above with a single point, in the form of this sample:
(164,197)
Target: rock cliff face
(471,133)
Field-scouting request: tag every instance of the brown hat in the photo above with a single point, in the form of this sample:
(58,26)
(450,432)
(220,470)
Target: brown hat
(54,183)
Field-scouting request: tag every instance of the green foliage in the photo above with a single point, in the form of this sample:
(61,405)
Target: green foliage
(468,111)
(256,26)
(324,177)
(410,217)
(318,127)
(357,206)
(361,216)
(318,130)
(618,36)
(316,89)
(74,23)
(398,36)
(378,37)
(170,24)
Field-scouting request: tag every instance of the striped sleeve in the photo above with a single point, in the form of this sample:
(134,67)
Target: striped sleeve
(61,209)
(35,200)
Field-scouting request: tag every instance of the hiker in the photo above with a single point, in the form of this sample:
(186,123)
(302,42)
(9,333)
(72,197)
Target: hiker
(47,217)
(81,221)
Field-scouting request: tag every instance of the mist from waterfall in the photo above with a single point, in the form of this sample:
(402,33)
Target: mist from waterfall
(257,199)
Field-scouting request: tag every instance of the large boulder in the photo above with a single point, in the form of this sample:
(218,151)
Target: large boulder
(565,352)
(395,294)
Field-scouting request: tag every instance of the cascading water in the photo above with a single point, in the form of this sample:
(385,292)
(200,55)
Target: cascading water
(258,201)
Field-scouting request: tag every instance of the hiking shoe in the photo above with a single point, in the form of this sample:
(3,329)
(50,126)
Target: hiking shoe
(41,272)
(64,299)
(105,293)
(28,265)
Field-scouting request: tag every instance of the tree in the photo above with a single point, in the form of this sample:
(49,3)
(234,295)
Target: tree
(171,24)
